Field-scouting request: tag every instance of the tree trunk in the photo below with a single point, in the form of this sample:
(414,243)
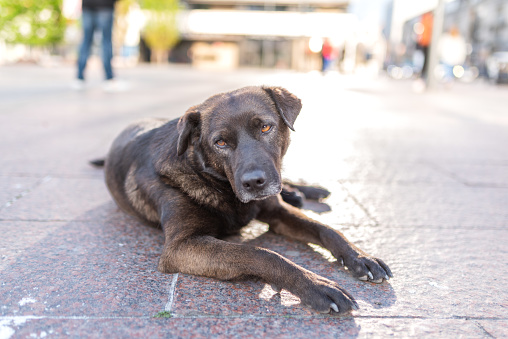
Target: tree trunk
(160,56)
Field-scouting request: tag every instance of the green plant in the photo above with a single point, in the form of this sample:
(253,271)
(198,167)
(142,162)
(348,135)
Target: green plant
(31,22)
(161,32)
(160,5)
(163,314)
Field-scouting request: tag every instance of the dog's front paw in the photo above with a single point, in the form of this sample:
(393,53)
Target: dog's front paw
(325,296)
(368,268)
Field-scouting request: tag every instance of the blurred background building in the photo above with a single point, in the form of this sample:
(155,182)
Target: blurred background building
(366,35)
(262,33)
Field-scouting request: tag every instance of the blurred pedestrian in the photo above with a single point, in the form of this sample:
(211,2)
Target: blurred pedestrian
(327,55)
(97,15)
(135,21)
(424,38)
(452,52)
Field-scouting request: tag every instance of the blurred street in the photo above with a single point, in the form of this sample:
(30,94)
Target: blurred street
(419,180)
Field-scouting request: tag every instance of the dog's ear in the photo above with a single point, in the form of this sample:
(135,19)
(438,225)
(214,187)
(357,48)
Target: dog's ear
(288,104)
(188,123)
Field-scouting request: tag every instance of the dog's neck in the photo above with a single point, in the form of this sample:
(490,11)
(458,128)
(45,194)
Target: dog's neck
(203,168)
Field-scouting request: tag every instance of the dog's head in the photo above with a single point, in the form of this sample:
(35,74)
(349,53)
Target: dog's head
(241,137)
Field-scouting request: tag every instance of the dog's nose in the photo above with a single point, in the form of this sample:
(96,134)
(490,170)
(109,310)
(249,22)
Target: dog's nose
(254,180)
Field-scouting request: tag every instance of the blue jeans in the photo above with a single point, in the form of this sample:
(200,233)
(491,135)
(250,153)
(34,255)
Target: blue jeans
(448,76)
(101,19)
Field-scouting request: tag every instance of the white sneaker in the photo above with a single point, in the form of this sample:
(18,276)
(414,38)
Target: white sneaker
(78,85)
(114,86)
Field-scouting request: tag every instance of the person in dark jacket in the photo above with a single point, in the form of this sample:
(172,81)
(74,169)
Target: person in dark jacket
(97,15)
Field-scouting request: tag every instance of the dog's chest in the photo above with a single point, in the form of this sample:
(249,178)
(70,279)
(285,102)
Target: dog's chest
(236,216)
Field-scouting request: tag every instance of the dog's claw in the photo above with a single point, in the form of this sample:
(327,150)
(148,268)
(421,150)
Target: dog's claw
(364,278)
(341,262)
(334,307)
(370,275)
(386,277)
(378,281)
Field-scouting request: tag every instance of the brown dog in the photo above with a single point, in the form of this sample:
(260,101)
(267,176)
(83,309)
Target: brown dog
(208,174)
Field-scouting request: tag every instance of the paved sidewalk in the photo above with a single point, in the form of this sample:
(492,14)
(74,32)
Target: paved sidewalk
(419,180)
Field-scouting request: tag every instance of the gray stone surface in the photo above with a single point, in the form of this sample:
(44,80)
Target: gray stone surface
(419,180)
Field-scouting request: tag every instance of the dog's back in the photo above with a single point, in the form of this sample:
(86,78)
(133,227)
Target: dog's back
(127,152)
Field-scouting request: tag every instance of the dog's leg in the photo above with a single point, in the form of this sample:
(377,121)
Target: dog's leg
(188,249)
(292,196)
(309,192)
(211,257)
(291,222)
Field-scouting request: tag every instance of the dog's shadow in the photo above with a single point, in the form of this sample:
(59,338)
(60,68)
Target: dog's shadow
(309,256)
(121,242)
(317,260)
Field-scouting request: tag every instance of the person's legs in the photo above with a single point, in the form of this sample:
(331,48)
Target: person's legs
(449,76)
(88,23)
(326,64)
(425,66)
(105,24)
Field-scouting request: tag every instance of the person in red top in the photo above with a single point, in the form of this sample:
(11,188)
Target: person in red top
(327,55)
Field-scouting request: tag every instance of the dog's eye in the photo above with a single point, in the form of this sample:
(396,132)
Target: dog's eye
(220,143)
(266,128)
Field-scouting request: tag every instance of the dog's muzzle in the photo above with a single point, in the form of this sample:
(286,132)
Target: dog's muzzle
(257,185)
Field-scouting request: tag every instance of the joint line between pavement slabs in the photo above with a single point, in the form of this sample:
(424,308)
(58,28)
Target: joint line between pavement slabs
(28,190)
(172,288)
(20,319)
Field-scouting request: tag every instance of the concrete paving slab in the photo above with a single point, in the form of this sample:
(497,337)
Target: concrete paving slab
(382,172)
(494,328)
(42,153)
(63,199)
(85,269)
(19,236)
(252,327)
(433,206)
(13,188)
(366,170)
(438,273)
(340,208)
(477,175)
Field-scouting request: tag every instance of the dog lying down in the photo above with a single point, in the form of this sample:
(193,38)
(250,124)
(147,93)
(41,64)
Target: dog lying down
(208,174)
